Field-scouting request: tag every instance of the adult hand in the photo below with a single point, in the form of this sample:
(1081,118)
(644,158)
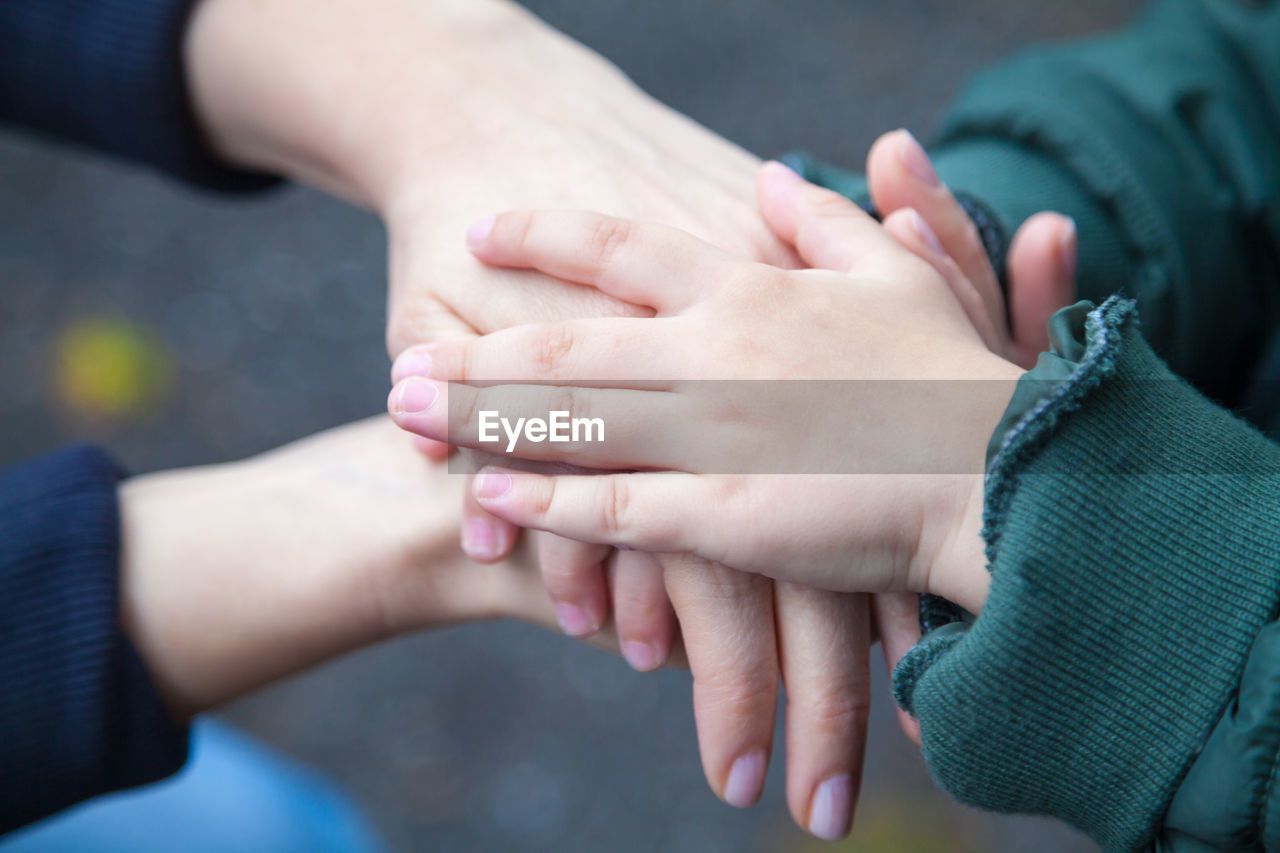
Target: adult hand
(434,113)
(235,575)
(431,114)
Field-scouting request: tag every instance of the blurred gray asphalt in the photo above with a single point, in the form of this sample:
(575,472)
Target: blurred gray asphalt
(488,737)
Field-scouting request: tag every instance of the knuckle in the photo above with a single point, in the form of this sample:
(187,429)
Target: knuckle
(839,710)
(738,691)
(462,370)
(545,499)
(608,237)
(615,506)
(571,401)
(518,230)
(553,348)
(464,406)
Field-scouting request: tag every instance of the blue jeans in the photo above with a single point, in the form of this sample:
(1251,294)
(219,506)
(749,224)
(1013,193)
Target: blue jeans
(234,794)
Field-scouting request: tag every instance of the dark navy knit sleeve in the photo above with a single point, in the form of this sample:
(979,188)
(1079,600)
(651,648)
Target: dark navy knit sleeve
(109,74)
(79,715)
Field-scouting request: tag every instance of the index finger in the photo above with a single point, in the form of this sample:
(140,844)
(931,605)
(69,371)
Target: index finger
(644,264)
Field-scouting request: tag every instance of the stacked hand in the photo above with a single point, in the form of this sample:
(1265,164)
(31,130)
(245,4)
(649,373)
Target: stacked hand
(908,313)
(452,109)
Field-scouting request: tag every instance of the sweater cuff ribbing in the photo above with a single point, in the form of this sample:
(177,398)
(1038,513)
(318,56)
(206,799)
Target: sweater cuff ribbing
(1132,538)
(79,712)
(109,74)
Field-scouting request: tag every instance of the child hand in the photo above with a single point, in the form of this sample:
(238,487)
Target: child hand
(1041,261)
(891,317)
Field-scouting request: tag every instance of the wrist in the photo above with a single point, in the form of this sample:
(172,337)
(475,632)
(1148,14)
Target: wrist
(950,555)
(236,575)
(360,101)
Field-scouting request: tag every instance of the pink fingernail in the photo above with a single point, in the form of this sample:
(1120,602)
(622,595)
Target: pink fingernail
(411,362)
(479,539)
(479,232)
(926,234)
(413,396)
(492,485)
(574,621)
(913,156)
(641,656)
(831,815)
(746,779)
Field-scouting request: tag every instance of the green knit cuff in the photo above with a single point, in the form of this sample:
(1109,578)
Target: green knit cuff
(1132,533)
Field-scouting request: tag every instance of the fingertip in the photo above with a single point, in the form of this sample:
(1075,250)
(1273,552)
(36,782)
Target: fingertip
(745,784)
(576,621)
(831,812)
(777,172)
(642,612)
(926,233)
(486,540)
(413,396)
(915,159)
(643,657)
(415,361)
(1042,272)
(886,172)
(913,232)
(478,233)
(775,186)
(492,484)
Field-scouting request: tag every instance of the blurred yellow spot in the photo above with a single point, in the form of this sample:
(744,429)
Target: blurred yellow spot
(111,368)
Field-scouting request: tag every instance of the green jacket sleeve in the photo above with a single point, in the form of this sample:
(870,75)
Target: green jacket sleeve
(1124,673)
(1162,141)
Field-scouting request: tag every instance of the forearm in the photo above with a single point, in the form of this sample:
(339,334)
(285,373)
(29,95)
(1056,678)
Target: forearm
(354,97)
(235,575)
(436,114)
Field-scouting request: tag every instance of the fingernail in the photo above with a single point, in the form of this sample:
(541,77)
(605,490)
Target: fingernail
(414,395)
(913,156)
(574,621)
(641,656)
(1068,250)
(492,485)
(479,232)
(832,811)
(412,362)
(746,780)
(480,539)
(925,233)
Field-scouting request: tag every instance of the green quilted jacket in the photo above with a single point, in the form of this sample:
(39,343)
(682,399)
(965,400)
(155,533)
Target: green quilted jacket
(1124,674)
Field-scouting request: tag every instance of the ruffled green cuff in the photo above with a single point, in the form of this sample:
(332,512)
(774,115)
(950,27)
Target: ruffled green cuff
(1133,537)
